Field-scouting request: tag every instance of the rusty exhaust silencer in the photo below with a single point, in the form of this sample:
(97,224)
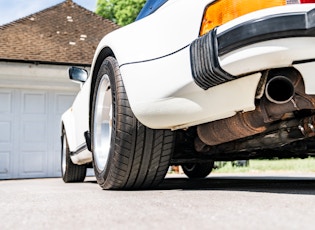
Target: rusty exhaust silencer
(280,134)
(284,93)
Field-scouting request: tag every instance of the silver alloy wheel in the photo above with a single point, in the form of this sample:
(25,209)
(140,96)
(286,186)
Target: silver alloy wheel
(64,154)
(102,123)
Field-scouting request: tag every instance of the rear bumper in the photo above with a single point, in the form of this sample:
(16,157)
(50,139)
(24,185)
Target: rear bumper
(285,25)
(206,50)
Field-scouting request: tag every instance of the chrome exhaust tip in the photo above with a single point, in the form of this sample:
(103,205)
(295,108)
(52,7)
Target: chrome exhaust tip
(279,90)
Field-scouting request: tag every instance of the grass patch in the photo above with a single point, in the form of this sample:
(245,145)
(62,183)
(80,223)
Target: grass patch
(281,165)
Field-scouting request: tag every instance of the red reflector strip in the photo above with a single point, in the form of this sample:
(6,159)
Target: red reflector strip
(307,1)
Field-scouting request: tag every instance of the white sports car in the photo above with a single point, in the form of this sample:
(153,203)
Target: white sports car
(193,82)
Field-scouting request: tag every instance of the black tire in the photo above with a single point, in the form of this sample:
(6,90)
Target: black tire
(198,170)
(126,154)
(70,172)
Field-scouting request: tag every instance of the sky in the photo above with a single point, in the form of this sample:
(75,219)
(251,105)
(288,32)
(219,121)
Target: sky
(11,10)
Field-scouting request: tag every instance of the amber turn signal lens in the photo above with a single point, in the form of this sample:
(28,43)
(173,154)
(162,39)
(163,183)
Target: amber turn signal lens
(222,11)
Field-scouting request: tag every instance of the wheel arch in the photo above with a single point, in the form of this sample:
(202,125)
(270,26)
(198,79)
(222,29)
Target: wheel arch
(104,53)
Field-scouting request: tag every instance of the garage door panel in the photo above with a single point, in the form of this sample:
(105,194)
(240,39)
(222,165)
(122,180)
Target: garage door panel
(4,164)
(33,164)
(34,132)
(57,166)
(34,103)
(6,101)
(5,134)
(6,119)
(33,136)
(57,130)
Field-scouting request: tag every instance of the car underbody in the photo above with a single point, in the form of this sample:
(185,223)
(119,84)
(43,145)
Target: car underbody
(282,125)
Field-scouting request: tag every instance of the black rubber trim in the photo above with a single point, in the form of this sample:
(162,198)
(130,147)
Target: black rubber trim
(80,149)
(205,51)
(303,61)
(205,66)
(299,24)
(87,136)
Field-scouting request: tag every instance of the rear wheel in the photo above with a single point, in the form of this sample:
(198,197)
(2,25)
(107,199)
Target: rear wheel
(70,172)
(198,170)
(126,154)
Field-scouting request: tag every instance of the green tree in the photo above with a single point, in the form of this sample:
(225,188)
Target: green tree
(122,12)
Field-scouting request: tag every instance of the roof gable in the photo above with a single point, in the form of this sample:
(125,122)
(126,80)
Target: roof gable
(65,33)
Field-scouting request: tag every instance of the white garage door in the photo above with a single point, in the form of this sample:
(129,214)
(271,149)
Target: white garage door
(30,132)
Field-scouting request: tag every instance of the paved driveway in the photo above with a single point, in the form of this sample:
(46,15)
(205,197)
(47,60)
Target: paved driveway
(218,202)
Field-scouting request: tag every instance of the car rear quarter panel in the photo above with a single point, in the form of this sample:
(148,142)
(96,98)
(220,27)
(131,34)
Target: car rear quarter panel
(174,26)
(167,31)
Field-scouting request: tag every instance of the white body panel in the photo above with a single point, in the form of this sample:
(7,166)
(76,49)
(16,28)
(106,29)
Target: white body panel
(157,35)
(163,101)
(269,54)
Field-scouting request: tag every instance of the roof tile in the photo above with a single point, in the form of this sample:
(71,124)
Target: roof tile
(65,33)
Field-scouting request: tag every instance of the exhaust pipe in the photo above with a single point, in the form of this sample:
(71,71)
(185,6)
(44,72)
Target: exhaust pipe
(282,95)
(277,135)
(279,90)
